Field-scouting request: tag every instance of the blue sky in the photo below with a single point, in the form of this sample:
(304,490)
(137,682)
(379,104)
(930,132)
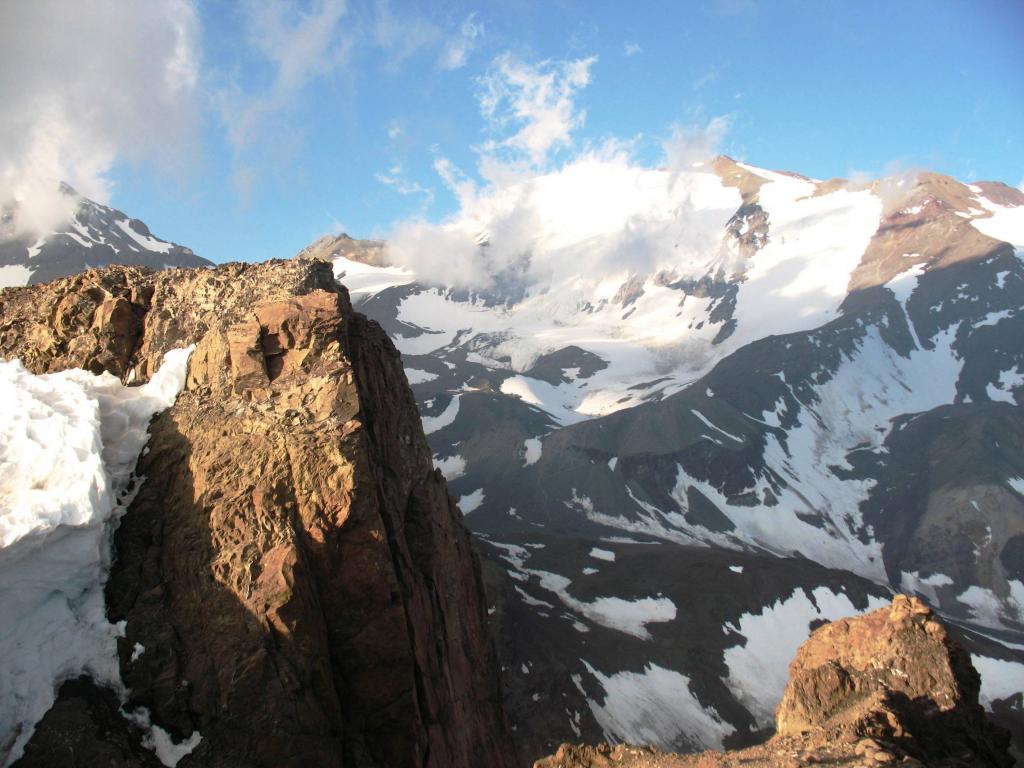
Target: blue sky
(299,119)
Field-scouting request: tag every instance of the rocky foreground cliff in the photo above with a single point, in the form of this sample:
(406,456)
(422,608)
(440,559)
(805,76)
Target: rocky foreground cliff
(295,581)
(887,688)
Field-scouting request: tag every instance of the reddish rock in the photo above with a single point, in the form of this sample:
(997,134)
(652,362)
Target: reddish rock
(888,688)
(301,581)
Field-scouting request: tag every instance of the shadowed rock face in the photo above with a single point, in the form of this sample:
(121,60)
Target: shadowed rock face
(887,688)
(293,567)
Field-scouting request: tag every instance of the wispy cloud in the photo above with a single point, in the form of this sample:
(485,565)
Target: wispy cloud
(539,100)
(706,79)
(691,144)
(87,85)
(632,49)
(396,178)
(299,45)
(455,180)
(460,45)
(401,36)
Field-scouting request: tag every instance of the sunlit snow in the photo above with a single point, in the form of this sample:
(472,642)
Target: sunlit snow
(656,706)
(759,668)
(69,445)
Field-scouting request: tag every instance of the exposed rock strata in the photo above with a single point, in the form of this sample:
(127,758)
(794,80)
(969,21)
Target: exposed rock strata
(888,688)
(293,570)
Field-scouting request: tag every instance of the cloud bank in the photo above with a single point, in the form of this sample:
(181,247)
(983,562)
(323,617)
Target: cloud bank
(540,99)
(541,211)
(86,85)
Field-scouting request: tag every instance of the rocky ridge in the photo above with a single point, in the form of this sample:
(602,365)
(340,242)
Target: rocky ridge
(296,583)
(887,688)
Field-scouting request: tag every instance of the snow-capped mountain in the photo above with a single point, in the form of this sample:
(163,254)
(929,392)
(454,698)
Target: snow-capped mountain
(691,413)
(93,236)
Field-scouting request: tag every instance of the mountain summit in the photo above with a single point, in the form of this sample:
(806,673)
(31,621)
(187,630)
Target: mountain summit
(93,235)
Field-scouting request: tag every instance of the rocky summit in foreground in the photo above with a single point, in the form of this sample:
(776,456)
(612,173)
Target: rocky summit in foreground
(887,688)
(296,584)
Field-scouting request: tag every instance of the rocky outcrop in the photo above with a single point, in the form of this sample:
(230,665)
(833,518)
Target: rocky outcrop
(330,247)
(296,583)
(896,676)
(888,688)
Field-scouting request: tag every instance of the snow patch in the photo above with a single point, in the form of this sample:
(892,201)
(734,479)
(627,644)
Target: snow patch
(987,608)
(433,424)
(759,669)
(721,431)
(451,467)
(69,443)
(416,376)
(629,616)
(913,583)
(471,501)
(12,275)
(365,280)
(1000,679)
(603,554)
(656,706)
(902,287)
(1006,222)
(532,450)
(160,742)
(993,318)
(148,243)
(1008,381)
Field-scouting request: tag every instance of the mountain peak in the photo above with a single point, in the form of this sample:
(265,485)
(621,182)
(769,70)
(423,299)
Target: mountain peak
(93,235)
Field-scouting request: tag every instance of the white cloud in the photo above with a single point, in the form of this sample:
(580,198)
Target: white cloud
(694,143)
(632,49)
(528,222)
(706,79)
(401,36)
(299,45)
(84,85)
(460,185)
(460,45)
(396,178)
(539,99)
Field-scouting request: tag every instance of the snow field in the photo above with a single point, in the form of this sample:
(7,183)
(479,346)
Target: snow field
(69,442)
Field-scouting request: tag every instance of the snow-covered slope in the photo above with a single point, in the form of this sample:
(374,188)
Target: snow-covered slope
(726,358)
(93,235)
(654,283)
(68,446)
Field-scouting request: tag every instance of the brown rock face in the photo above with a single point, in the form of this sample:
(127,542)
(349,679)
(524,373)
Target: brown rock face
(893,675)
(888,688)
(300,581)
